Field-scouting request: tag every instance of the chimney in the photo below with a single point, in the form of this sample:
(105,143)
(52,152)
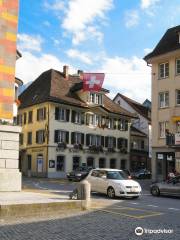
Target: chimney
(66,71)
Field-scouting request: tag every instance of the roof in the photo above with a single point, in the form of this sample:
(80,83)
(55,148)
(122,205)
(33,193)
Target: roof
(137,132)
(54,87)
(169,42)
(138,107)
(79,86)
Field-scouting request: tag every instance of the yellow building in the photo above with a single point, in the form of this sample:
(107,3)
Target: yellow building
(165,62)
(65,127)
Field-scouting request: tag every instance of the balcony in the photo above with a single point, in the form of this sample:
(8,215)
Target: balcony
(173,140)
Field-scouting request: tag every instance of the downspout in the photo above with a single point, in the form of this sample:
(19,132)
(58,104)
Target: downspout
(47,157)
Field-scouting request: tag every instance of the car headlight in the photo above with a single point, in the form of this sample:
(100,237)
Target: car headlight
(78,175)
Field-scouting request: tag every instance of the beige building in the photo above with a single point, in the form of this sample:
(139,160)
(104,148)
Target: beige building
(165,62)
(64,127)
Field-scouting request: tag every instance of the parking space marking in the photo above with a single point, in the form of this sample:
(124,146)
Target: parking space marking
(147,213)
(152,206)
(176,209)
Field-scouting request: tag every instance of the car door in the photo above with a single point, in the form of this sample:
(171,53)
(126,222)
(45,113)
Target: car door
(93,180)
(102,182)
(176,186)
(171,187)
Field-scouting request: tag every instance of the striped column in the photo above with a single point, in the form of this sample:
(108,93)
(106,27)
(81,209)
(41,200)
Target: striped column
(8,35)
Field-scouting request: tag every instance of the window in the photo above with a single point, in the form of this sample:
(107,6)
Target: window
(142,144)
(61,114)
(19,120)
(60,163)
(29,138)
(122,143)
(41,114)
(163,99)
(94,140)
(102,163)
(94,119)
(25,117)
(177,97)
(113,163)
(110,142)
(21,138)
(95,98)
(61,136)
(162,129)
(77,138)
(111,123)
(177,66)
(164,70)
(77,117)
(40,136)
(30,117)
(90,162)
(76,162)
(29,161)
(123,125)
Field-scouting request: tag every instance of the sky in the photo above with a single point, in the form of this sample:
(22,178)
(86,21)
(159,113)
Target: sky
(109,36)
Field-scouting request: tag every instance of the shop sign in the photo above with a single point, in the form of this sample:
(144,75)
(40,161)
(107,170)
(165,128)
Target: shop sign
(160,156)
(51,163)
(169,158)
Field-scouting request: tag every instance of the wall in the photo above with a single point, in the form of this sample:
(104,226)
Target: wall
(8,25)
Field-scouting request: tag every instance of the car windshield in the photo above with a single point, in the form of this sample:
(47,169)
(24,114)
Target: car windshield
(117,175)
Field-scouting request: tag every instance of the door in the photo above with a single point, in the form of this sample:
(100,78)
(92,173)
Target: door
(90,162)
(39,163)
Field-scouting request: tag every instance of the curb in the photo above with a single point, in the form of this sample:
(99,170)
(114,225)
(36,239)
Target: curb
(15,210)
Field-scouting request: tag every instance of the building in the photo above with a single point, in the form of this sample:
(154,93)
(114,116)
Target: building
(10,177)
(165,63)
(65,127)
(140,140)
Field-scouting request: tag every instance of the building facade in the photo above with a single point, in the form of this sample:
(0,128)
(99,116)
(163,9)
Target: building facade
(140,132)
(65,127)
(165,63)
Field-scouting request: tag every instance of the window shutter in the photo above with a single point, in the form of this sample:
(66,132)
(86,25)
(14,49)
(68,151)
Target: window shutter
(56,134)
(82,118)
(114,142)
(38,115)
(82,138)
(125,143)
(44,113)
(72,138)
(56,113)
(87,139)
(114,122)
(37,137)
(43,136)
(73,116)
(119,124)
(67,137)
(87,119)
(126,125)
(102,141)
(67,115)
(106,142)
(120,143)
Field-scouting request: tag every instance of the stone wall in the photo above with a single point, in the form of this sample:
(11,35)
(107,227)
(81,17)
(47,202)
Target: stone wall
(10,176)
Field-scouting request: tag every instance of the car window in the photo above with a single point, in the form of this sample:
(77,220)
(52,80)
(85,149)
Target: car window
(118,175)
(95,173)
(102,174)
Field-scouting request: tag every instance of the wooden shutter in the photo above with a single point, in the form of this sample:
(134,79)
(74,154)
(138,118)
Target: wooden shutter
(56,134)
(114,142)
(106,141)
(87,119)
(72,138)
(120,143)
(38,115)
(82,118)
(87,139)
(56,113)
(114,122)
(37,137)
(73,116)
(67,137)
(82,138)
(67,115)
(125,143)
(102,141)
(44,113)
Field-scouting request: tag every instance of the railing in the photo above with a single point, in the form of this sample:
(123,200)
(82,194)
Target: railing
(173,139)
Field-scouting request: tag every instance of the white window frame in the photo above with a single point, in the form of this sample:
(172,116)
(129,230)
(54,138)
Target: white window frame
(165,101)
(95,98)
(62,114)
(41,112)
(162,129)
(61,136)
(77,137)
(164,74)
(177,67)
(111,123)
(77,118)
(40,136)
(94,140)
(94,120)
(110,142)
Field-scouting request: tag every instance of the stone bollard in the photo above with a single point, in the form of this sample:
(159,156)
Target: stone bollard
(83,194)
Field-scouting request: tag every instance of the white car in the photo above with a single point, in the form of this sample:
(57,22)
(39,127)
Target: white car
(113,182)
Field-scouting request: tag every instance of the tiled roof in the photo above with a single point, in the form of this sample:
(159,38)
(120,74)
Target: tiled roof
(138,107)
(169,42)
(137,132)
(54,87)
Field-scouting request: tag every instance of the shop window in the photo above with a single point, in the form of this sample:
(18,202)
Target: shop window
(76,162)
(60,164)
(113,163)
(102,162)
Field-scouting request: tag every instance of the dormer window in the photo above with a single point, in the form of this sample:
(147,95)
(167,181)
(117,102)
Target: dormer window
(95,98)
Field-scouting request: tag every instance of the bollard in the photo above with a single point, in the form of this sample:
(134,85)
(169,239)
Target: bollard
(83,194)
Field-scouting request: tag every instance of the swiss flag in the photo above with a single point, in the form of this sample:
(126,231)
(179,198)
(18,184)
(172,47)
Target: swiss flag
(93,81)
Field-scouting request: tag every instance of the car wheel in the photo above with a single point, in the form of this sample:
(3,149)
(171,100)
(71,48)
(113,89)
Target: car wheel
(155,191)
(110,192)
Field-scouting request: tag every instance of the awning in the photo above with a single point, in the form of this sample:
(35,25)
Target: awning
(176,119)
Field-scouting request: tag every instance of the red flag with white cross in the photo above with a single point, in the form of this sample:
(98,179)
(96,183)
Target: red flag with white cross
(93,81)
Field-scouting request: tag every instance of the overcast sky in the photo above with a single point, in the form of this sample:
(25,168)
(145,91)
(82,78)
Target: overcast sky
(110,36)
